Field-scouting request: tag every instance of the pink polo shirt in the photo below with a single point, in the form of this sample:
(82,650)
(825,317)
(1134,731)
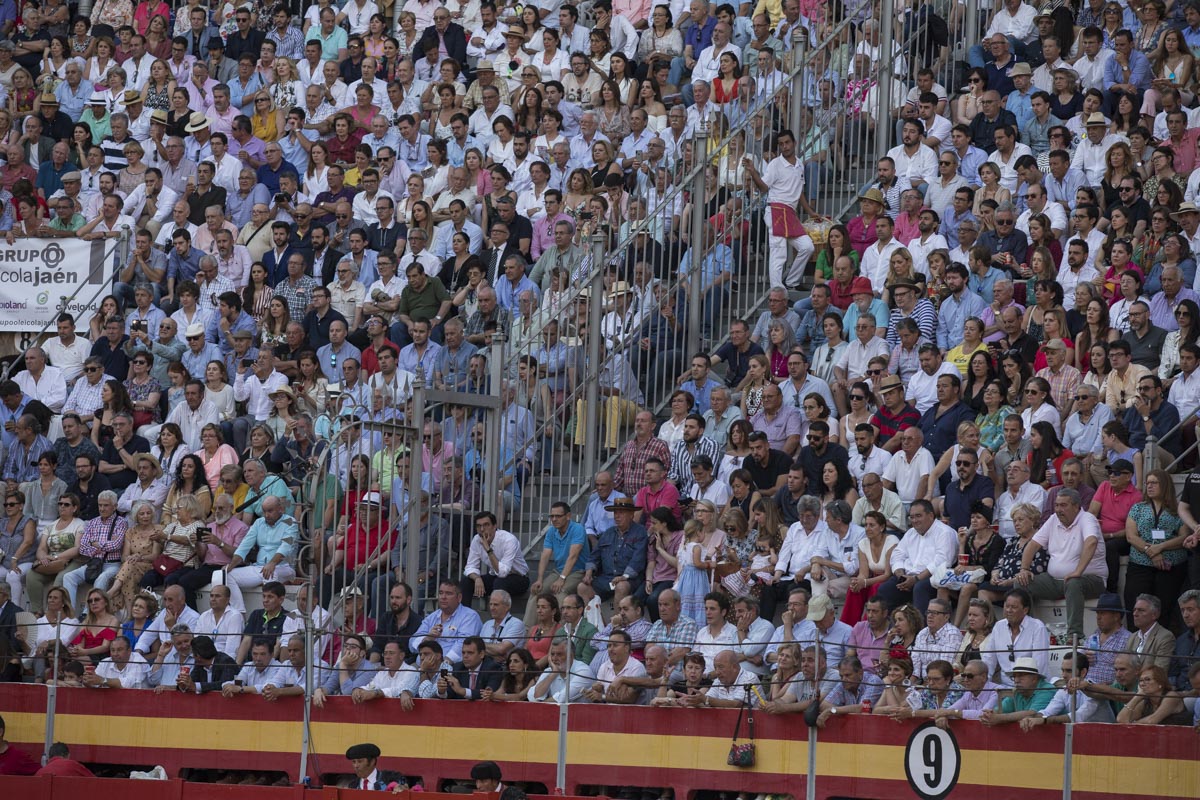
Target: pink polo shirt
(1115,507)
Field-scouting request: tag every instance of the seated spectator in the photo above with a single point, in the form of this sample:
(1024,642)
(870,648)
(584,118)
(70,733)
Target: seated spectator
(1069,704)
(262,671)
(1150,641)
(122,669)
(1031,693)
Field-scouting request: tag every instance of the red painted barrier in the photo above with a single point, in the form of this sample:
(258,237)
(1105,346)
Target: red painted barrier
(684,749)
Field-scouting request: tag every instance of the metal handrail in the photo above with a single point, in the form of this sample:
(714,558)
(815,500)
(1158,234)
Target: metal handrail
(1150,454)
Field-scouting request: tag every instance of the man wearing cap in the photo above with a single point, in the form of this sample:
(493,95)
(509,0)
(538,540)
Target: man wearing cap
(1111,505)
(1092,149)
(146,487)
(616,565)
(1063,378)
(1110,638)
(55,124)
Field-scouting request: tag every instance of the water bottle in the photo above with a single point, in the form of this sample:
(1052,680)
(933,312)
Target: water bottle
(1051,472)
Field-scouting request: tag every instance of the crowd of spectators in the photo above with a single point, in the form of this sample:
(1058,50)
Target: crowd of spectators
(819,518)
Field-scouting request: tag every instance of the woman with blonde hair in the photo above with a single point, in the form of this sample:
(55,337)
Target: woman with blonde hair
(287,91)
(900,268)
(758,375)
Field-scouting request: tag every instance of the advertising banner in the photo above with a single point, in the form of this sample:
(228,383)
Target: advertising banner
(37,276)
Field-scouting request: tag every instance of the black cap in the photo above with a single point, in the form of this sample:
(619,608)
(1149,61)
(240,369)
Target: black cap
(1120,465)
(366,750)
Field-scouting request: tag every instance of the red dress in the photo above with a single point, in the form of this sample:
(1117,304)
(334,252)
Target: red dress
(721,94)
(88,640)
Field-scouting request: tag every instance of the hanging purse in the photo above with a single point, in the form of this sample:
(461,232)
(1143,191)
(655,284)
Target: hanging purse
(95,564)
(743,755)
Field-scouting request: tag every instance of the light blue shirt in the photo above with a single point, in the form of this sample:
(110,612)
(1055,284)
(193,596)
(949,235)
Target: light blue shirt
(984,285)
(953,313)
(279,538)
(72,101)
(195,363)
(462,623)
(719,259)
(252,676)
(1020,105)
(702,393)
(507,295)
(1139,71)
(595,519)
(560,544)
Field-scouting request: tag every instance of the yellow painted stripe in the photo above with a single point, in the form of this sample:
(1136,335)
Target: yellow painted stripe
(1136,776)
(1115,775)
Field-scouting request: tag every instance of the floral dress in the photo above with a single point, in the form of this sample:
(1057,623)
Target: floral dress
(1143,516)
(132,570)
(140,393)
(158,99)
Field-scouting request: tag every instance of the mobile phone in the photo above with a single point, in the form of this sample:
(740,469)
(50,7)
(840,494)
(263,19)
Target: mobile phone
(247,362)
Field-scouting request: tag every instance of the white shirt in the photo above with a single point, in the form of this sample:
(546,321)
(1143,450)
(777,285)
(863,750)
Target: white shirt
(159,631)
(920,250)
(907,474)
(785,181)
(938,547)
(801,546)
(191,422)
(856,356)
(131,676)
(1054,211)
(582,679)
(875,263)
(1019,26)
(50,388)
(1091,70)
(1032,641)
(1185,391)
(736,692)
(1086,708)
(68,358)
(708,62)
(507,549)
(922,387)
(709,645)
(1046,413)
(921,166)
(226,634)
(1069,278)
(257,393)
(1095,241)
(1028,493)
(608,673)
(876,461)
(394,684)
(1089,156)
(1008,168)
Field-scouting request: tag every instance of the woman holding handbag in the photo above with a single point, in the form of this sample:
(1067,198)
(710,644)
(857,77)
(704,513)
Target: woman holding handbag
(179,542)
(57,553)
(42,495)
(137,555)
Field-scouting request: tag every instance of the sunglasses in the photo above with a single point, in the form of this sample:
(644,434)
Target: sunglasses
(873,372)
(964,463)
(857,397)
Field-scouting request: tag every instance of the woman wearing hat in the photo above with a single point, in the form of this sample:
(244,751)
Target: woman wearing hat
(283,412)
(510,61)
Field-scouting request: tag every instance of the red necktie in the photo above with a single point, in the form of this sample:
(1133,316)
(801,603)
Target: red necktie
(365,784)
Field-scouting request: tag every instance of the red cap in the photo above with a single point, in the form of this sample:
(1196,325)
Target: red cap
(861,285)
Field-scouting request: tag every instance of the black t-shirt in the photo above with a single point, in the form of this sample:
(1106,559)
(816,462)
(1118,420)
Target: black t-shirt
(259,627)
(119,481)
(1191,492)
(736,362)
(766,477)
(814,464)
(87,499)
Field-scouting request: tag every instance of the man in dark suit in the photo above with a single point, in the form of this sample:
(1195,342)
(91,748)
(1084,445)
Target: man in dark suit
(276,258)
(325,258)
(447,33)
(498,248)
(212,668)
(8,612)
(364,758)
(475,674)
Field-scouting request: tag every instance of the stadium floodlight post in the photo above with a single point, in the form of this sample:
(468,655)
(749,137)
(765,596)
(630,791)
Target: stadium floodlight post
(695,276)
(595,352)
(887,72)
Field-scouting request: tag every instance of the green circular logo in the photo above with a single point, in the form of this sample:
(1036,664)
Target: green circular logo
(42,298)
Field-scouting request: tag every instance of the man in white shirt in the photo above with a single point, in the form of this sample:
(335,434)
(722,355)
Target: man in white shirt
(875,259)
(67,351)
(916,162)
(494,561)
(1185,389)
(907,472)
(42,382)
(783,180)
(397,680)
(1092,150)
(708,62)
(1018,635)
(1019,491)
(922,386)
(1078,567)
(122,669)
(926,546)
(1090,65)
(222,623)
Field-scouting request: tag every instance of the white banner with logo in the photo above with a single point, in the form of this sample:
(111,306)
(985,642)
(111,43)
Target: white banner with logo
(37,276)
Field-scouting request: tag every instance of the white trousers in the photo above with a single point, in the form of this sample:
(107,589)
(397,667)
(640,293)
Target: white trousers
(249,577)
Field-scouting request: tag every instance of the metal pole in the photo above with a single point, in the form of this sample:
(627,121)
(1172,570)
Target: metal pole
(415,463)
(799,45)
(883,113)
(495,426)
(52,695)
(696,245)
(810,783)
(970,33)
(560,775)
(1149,460)
(1069,733)
(595,354)
(310,660)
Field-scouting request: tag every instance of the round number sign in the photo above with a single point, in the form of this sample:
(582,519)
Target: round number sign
(931,762)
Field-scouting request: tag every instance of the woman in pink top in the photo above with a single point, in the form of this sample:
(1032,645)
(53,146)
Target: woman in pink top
(215,453)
